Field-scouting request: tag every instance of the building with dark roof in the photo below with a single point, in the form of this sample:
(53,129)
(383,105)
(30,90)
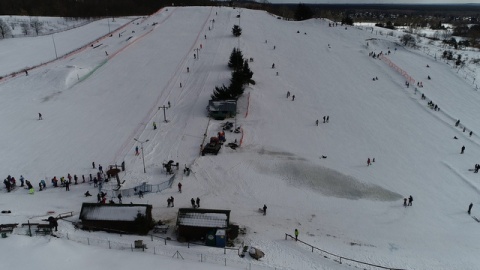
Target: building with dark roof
(127,218)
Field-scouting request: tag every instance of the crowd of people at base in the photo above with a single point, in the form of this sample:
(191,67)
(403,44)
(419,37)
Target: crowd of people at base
(11,183)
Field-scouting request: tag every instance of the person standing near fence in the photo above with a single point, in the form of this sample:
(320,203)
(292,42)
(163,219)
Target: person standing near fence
(296,234)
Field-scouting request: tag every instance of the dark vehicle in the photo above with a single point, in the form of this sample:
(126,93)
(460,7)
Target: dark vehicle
(213,147)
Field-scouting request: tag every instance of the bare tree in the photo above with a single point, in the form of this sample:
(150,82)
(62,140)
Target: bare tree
(408,40)
(36,25)
(446,34)
(25,28)
(4,29)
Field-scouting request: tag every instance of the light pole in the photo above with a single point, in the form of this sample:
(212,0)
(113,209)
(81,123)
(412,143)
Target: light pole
(197,50)
(164,108)
(54,47)
(143,157)
(108,21)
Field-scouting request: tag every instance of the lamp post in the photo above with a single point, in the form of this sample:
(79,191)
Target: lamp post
(143,157)
(54,47)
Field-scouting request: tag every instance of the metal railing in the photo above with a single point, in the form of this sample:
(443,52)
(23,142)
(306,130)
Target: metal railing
(339,258)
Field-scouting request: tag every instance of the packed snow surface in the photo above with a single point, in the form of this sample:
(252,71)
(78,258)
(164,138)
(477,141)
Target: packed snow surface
(99,100)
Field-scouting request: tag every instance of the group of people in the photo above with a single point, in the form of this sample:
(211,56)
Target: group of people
(410,200)
(325,120)
(170,201)
(195,203)
(11,183)
(288,95)
(369,162)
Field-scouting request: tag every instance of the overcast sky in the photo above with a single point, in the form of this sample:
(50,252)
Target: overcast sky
(379,1)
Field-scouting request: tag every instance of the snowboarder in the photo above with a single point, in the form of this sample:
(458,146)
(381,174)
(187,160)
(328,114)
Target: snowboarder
(180,85)
(188,69)
(171,200)
(154,125)
(471,132)
(429,77)
(193,202)
(324,119)
(198,202)
(75,179)
(136,151)
(457,123)
(293,97)
(288,94)
(328,117)
(205,36)
(40,116)
(368,162)
(26,72)
(180,187)
(194,56)
(316,122)
(296,234)
(463,149)
(87,194)
(470,208)
(274,47)
(264,209)
(169,105)
(405,202)
(410,200)
(93,165)
(119,198)
(273,65)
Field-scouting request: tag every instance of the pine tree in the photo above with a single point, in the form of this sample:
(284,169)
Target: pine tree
(247,73)
(236,30)
(236,59)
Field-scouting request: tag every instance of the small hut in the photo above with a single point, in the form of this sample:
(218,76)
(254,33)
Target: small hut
(221,109)
(127,218)
(207,225)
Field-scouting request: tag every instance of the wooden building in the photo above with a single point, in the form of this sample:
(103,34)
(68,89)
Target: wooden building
(127,218)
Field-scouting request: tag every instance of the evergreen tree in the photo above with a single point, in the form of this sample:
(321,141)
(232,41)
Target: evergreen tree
(237,83)
(236,59)
(236,30)
(221,93)
(303,12)
(349,21)
(247,73)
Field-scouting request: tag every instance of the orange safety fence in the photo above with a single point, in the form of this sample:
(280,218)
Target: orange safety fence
(397,68)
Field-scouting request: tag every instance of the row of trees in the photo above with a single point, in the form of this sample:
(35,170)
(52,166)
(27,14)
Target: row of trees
(34,25)
(241,76)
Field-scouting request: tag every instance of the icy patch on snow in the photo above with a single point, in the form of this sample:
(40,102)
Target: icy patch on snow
(324,180)
(75,74)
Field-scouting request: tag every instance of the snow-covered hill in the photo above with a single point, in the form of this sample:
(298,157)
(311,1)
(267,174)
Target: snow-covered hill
(97,101)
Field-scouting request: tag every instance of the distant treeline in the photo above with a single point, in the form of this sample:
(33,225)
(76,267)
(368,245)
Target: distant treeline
(106,8)
(88,8)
